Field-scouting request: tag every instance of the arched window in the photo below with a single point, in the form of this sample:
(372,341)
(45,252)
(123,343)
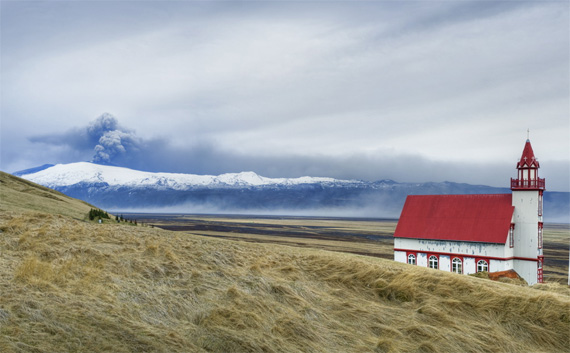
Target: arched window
(412,259)
(433,261)
(456,265)
(482,266)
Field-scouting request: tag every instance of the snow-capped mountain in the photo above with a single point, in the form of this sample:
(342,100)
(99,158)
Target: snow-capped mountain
(63,175)
(117,188)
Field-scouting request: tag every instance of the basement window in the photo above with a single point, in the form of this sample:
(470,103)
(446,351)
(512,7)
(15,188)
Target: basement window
(433,261)
(412,259)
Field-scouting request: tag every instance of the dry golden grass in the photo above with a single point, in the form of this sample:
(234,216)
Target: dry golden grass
(337,235)
(20,195)
(69,285)
(72,286)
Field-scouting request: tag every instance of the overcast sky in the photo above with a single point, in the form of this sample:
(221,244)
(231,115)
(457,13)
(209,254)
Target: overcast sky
(411,91)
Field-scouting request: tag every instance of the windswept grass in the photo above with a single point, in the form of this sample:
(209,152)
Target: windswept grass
(362,237)
(69,285)
(20,195)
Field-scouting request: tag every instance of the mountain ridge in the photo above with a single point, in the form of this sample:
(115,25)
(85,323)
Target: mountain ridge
(118,188)
(72,173)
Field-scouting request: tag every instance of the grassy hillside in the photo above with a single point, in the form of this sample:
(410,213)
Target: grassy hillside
(69,285)
(20,195)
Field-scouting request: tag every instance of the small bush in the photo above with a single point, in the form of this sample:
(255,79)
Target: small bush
(97,213)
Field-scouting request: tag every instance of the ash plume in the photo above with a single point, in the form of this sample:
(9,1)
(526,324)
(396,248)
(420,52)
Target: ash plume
(103,138)
(113,141)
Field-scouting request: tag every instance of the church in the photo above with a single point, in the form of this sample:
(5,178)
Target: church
(472,233)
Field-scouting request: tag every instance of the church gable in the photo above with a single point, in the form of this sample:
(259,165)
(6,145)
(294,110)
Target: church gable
(472,218)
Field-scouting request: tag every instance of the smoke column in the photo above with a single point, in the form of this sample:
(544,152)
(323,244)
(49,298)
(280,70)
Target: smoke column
(113,141)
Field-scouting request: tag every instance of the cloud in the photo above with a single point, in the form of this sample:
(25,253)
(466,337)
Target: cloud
(110,142)
(413,91)
(114,142)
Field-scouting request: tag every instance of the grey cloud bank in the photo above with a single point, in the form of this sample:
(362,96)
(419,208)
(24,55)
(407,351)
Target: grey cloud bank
(408,91)
(108,141)
(114,144)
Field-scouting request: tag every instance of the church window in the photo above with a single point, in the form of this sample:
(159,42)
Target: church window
(433,261)
(412,259)
(540,235)
(539,270)
(456,265)
(482,266)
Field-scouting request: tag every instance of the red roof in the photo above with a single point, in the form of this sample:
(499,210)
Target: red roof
(479,218)
(528,157)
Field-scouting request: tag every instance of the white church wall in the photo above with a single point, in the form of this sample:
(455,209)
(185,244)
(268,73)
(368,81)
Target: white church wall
(509,252)
(527,270)
(400,256)
(451,247)
(444,263)
(422,259)
(469,265)
(526,221)
(500,265)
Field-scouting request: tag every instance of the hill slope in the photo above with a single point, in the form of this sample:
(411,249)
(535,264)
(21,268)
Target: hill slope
(70,285)
(20,195)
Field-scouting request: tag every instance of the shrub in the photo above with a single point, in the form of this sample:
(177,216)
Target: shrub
(97,213)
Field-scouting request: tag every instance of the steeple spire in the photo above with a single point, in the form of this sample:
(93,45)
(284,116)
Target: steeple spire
(527,170)
(528,157)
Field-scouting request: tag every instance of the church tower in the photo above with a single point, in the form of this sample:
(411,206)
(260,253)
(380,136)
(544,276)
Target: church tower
(526,229)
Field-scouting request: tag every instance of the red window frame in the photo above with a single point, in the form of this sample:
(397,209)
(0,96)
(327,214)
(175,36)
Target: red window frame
(539,266)
(540,227)
(408,253)
(477,259)
(460,258)
(428,260)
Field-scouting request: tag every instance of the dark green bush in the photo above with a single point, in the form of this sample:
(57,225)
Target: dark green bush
(97,213)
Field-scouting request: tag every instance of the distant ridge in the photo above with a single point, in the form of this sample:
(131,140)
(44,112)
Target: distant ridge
(32,170)
(117,188)
(88,172)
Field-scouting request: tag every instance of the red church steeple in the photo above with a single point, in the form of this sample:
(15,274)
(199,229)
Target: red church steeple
(527,171)
(528,159)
